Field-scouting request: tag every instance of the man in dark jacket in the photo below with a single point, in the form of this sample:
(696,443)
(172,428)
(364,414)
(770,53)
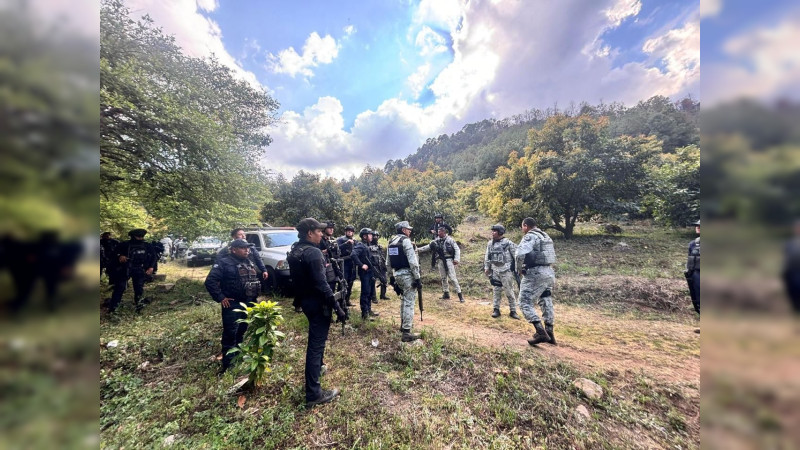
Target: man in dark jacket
(107,246)
(312,291)
(233,280)
(365,273)
(351,262)
(133,259)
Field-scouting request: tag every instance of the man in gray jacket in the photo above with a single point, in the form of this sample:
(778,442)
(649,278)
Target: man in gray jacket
(403,265)
(534,259)
(497,264)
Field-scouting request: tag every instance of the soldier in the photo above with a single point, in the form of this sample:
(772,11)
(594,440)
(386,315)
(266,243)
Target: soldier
(366,273)
(133,259)
(330,250)
(252,254)
(166,241)
(346,244)
(791,268)
(107,245)
(534,259)
(232,280)
(379,259)
(445,251)
(692,273)
(499,264)
(404,266)
(438,221)
(307,266)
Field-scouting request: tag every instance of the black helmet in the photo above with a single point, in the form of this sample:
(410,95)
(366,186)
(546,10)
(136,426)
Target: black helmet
(330,224)
(349,228)
(697,224)
(499,228)
(363,232)
(376,234)
(438,216)
(138,232)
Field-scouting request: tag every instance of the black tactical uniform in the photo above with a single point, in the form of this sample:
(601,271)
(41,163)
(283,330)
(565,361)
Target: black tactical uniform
(693,271)
(107,246)
(140,258)
(350,261)
(367,277)
(233,278)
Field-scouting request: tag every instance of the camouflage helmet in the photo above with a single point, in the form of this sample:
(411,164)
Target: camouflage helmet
(404,224)
(364,231)
(349,228)
(501,230)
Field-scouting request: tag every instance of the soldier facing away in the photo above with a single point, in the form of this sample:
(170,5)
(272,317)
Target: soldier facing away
(534,259)
(403,265)
(498,264)
(133,259)
(692,273)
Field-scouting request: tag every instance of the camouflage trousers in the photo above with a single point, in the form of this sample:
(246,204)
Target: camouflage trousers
(448,270)
(509,287)
(538,281)
(404,278)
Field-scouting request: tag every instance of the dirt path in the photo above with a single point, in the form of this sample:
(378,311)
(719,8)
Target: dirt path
(593,340)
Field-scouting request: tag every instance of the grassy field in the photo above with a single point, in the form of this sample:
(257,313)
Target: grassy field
(623,320)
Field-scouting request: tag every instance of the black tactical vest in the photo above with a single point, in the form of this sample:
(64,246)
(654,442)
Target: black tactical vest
(693,262)
(245,283)
(397,255)
(301,278)
(137,254)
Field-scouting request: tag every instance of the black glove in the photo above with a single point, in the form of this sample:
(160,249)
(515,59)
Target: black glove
(391,280)
(416,283)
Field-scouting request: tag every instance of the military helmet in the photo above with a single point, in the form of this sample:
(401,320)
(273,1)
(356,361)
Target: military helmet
(376,234)
(438,216)
(404,224)
(139,232)
(697,224)
(364,231)
(349,228)
(499,228)
(330,224)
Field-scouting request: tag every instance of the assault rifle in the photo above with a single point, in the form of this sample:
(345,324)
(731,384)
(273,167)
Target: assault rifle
(341,291)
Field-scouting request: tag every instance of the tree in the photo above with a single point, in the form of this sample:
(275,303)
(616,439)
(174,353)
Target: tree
(674,187)
(572,168)
(674,125)
(183,134)
(307,195)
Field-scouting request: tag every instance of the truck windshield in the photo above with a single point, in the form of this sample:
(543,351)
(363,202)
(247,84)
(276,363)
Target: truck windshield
(280,239)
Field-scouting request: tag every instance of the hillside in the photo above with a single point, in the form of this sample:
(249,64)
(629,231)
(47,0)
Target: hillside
(623,321)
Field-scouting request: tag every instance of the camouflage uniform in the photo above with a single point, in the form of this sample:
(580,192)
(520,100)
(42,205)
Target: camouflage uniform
(537,283)
(404,277)
(446,267)
(499,258)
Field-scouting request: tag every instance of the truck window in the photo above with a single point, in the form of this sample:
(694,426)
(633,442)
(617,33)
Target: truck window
(253,239)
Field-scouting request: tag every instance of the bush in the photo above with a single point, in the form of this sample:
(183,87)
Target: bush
(261,339)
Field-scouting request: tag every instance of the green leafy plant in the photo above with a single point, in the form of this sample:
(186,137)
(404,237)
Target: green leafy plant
(260,340)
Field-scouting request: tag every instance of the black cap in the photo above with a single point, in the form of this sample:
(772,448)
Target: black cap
(239,243)
(330,224)
(308,224)
(350,228)
(139,232)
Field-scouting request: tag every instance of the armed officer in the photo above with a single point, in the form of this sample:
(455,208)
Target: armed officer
(692,273)
(333,262)
(366,273)
(498,264)
(346,244)
(307,265)
(107,246)
(252,254)
(404,267)
(133,259)
(438,221)
(446,254)
(379,259)
(534,259)
(233,279)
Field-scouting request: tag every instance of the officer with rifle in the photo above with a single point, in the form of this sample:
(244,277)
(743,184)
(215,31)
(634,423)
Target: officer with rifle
(379,261)
(133,259)
(333,267)
(311,289)
(366,273)
(404,267)
(447,255)
(499,265)
(535,257)
(346,244)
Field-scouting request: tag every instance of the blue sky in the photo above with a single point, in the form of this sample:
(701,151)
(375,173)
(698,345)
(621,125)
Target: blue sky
(363,82)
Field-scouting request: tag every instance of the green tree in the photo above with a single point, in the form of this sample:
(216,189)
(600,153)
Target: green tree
(183,134)
(674,187)
(307,195)
(572,168)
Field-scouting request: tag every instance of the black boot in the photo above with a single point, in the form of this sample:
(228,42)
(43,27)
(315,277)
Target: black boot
(496,313)
(460,297)
(540,336)
(138,305)
(514,315)
(383,293)
(408,336)
(446,296)
(549,328)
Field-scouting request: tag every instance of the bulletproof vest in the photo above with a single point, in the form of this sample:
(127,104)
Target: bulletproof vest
(497,253)
(245,284)
(397,256)
(544,255)
(137,254)
(333,248)
(375,255)
(448,248)
(694,258)
(301,279)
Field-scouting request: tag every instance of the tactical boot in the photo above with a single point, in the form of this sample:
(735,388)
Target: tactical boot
(540,336)
(496,313)
(514,315)
(367,318)
(324,398)
(383,293)
(138,304)
(408,336)
(446,296)
(549,328)
(373,314)
(460,297)
(374,300)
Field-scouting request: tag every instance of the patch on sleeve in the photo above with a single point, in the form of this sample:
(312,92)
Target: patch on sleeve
(215,266)
(527,237)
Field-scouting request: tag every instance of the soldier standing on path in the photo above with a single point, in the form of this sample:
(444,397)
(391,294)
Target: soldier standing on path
(307,265)
(133,259)
(232,280)
(365,273)
(404,266)
(534,259)
(498,263)
(692,273)
(346,244)
(445,250)
(379,259)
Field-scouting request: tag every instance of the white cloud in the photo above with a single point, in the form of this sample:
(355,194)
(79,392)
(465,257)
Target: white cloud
(417,80)
(622,10)
(348,30)
(679,50)
(430,42)
(316,50)
(764,63)
(196,34)
(710,8)
(440,13)
(208,5)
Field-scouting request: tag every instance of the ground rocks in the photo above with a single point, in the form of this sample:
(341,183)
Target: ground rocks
(588,388)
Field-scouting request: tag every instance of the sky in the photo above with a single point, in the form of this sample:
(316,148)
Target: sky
(360,83)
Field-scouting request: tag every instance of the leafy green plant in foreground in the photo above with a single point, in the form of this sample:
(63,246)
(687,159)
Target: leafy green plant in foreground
(261,339)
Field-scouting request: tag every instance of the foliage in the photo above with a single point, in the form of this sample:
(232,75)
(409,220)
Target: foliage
(675,125)
(572,168)
(674,187)
(183,134)
(261,339)
(307,195)
(380,200)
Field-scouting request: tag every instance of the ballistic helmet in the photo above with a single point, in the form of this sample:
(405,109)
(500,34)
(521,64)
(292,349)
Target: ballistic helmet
(499,228)
(363,232)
